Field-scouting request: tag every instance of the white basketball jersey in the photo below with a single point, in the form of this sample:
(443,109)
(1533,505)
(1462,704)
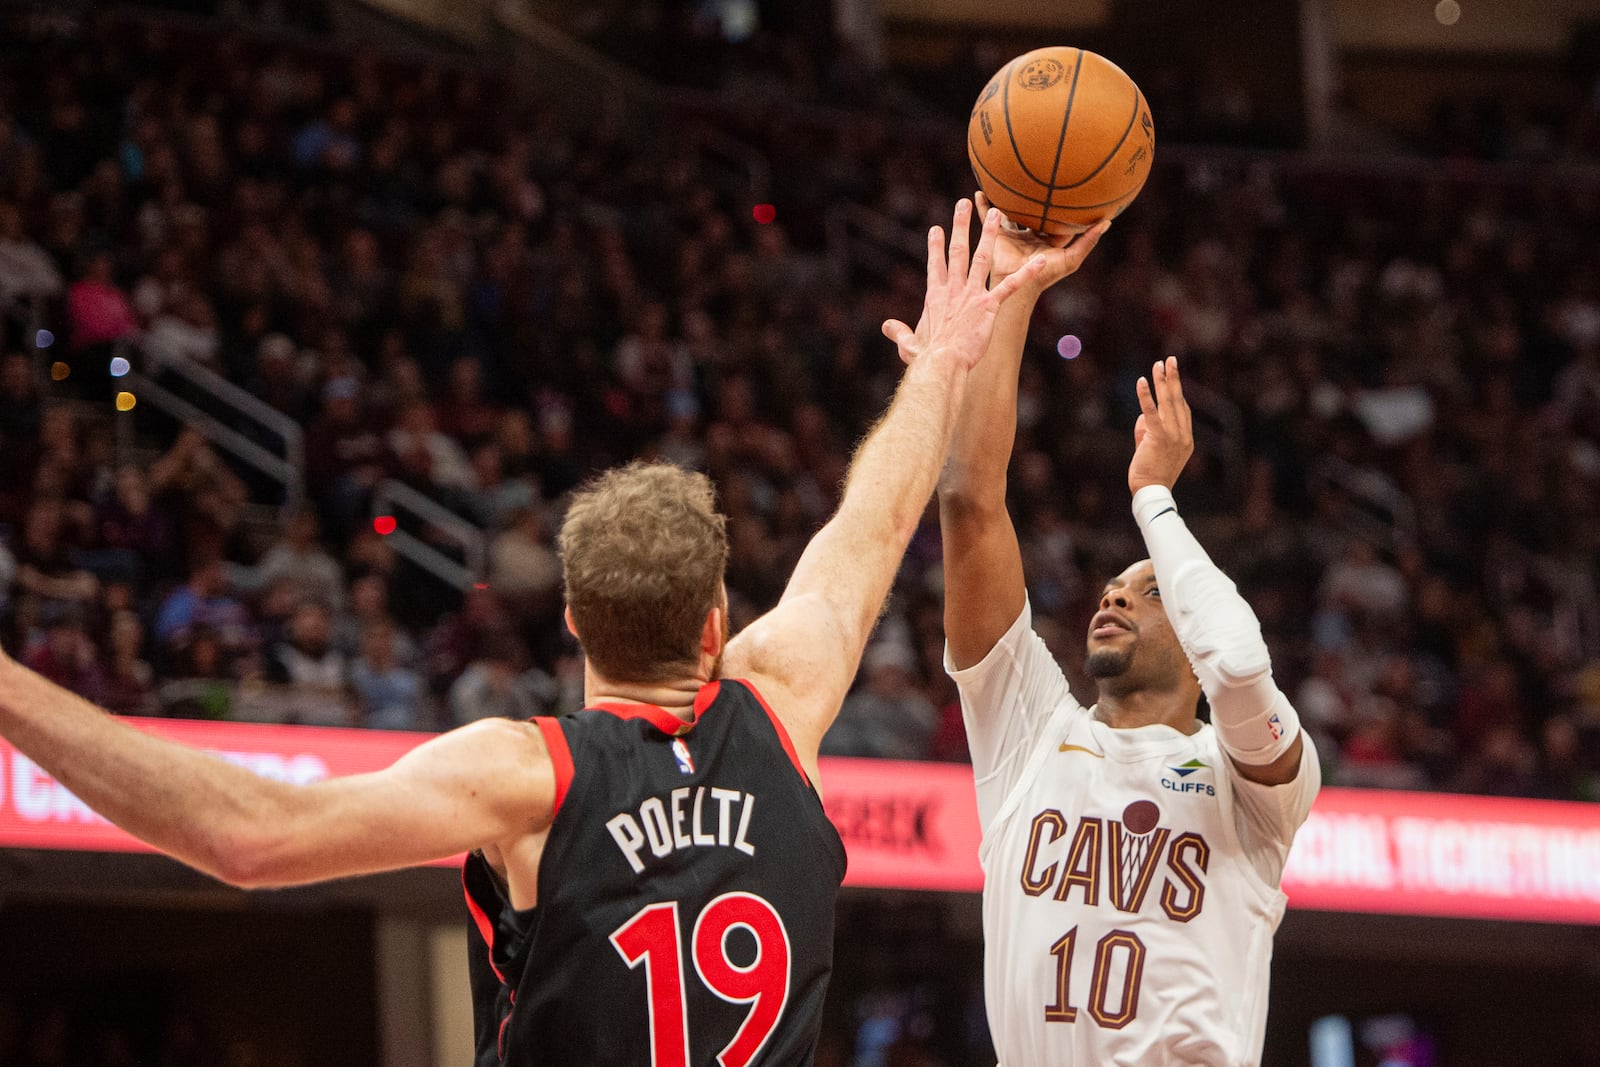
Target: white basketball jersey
(1131,878)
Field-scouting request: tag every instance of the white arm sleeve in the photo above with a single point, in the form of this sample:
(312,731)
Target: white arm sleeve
(1220,634)
(1006,700)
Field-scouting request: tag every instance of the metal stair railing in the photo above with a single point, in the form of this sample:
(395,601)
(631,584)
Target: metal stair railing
(857,234)
(1385,515)
(242,406)
(391,498)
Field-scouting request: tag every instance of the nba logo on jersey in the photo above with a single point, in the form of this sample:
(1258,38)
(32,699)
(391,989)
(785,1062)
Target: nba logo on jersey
(681,752)
(1275,727)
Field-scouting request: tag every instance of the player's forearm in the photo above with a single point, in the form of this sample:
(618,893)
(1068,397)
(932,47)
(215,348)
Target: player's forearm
(190,805)
(896,467)
(980,450)
(1219,633)
(1214,623)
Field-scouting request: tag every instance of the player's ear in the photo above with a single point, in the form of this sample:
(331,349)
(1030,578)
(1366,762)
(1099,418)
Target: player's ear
(572,627)
(714,633)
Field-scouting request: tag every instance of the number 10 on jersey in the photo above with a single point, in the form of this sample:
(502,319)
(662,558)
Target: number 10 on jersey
(1119,950)
(654,937)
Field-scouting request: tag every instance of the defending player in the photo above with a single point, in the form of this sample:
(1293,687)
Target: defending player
(1131,853)
(654,878)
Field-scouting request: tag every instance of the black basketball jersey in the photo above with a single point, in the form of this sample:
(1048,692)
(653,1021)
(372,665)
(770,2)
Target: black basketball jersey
(686,898)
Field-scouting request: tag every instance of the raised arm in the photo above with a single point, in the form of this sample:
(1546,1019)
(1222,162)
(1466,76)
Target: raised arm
(805,651)
(1255,723)
(984,589)
(475,786)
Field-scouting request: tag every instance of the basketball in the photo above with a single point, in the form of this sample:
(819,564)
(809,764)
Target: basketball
(1059,139)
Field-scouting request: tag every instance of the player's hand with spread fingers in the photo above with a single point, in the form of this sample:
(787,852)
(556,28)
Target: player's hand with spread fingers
(1063,254)
(1163,437)
(959,310)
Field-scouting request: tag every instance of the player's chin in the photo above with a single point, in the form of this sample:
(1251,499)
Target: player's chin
(1104,662)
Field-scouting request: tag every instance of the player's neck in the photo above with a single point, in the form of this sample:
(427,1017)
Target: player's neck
(1147,707)
(676,695)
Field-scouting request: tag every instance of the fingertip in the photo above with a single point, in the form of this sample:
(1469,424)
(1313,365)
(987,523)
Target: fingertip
(992,215)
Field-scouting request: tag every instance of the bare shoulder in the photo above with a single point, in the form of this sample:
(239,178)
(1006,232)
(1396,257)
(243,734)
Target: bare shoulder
(487,745)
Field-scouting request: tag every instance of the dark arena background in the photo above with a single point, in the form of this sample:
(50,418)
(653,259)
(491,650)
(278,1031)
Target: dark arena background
(315,310)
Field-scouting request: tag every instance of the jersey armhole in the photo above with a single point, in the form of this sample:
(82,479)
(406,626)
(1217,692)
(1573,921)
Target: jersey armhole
(555,740)
(480,917)
(783,734)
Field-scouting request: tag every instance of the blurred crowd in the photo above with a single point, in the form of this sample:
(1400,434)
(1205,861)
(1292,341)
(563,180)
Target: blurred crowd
(1397,378)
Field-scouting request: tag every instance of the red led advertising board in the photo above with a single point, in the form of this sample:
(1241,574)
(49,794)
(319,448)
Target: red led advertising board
(915,826)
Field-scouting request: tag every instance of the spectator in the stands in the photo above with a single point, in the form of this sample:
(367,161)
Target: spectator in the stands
(888,717)
(300,559)
(493,685)
(203,602)
(315,672)
(466,413)
(129,680)
(67,656)
(345,455)
(428,459)
(136,535)
(391,696)
(186,329)
(99,311)
(366,606)
(199,684)
(45,564)
(524,569)
(26,270)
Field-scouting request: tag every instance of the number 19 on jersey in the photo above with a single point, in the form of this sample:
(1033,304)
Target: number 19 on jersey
(654,937)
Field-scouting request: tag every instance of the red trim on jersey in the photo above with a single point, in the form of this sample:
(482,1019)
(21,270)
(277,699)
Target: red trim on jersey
(706,697)
(485,927)
(555,739)
(777,724)
(660,717)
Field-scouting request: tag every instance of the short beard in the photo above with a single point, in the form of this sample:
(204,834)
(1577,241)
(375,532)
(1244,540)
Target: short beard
(1107,663)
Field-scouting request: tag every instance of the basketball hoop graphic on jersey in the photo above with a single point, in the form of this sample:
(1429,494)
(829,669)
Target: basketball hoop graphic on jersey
(1137,843)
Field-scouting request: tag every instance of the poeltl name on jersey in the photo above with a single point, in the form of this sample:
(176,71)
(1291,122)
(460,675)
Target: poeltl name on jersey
(678,821)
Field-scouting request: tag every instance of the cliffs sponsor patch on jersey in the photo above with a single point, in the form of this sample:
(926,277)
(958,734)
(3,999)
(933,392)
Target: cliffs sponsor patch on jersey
(1186,778)
(1114,863)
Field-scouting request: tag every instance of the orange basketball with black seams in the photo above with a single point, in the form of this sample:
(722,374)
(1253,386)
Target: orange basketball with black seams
(1061,138)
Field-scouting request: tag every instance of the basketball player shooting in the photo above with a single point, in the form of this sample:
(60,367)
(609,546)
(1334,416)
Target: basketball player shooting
(1131,853)
(652,880)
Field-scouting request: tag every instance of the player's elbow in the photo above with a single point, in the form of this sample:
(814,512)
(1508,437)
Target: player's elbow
(244,861)
(972,514)
(253,850)
(1244,665)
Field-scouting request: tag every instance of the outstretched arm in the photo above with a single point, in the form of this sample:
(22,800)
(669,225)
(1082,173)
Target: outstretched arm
(806,650)
(465,789)
(1255,722)
(984,590)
